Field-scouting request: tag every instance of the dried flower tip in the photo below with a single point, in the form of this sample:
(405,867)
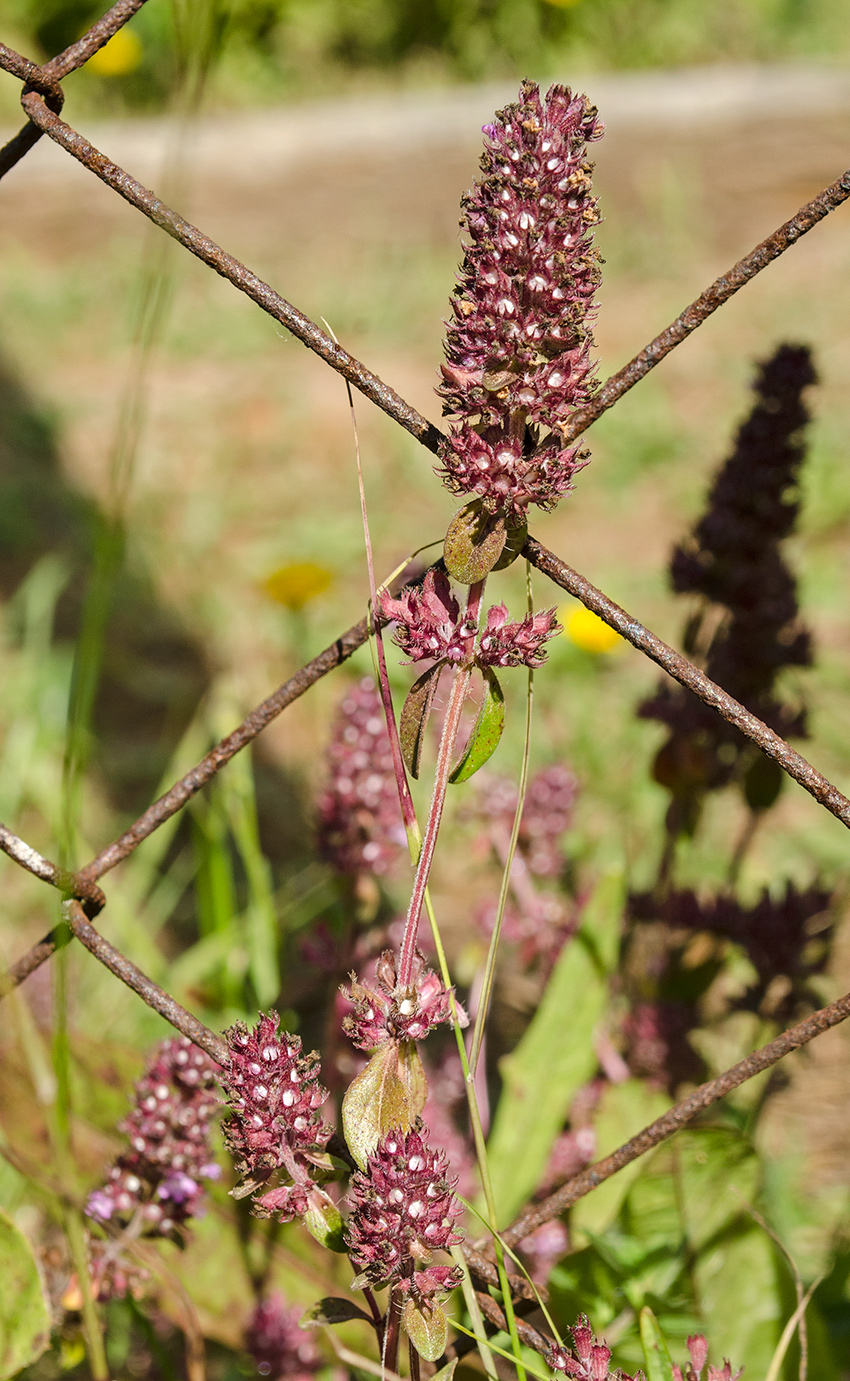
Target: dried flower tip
(428,622)
(274,1096)
(383,1011)
(360,824)
(592,1360)
(403,1210)
(506,644)
(159,1176)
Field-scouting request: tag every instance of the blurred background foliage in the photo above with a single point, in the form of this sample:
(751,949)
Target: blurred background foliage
(276,49)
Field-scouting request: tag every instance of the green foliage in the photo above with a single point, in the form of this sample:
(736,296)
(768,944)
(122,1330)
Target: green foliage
(24,1310)
(270,46)
(486,732)
(556,1055)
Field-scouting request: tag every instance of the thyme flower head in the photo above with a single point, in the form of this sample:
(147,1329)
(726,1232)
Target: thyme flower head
(592,1360)
(428,621)
(403,1210)
(698,1352)
(519,339)
(383,1012)
(160,1174)
(360,824)
(429,625)
(274,1095)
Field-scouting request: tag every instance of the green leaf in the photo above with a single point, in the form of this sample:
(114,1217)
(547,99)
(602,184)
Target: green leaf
(24,1311)
(484,739)
(414,715)
(556,1054)
(624,1110)
(516,538)
(659,1366)
(378,1100)
(447,1372)
(474,542)
(740,1291)
(411,1071)
(332,1310)
(324,1222)
(427,1328)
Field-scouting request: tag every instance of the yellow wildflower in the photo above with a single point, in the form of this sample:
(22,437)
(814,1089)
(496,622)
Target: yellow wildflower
(296,585)
(587,630)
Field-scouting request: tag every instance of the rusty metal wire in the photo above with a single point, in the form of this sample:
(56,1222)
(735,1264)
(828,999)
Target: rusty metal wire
(42,99)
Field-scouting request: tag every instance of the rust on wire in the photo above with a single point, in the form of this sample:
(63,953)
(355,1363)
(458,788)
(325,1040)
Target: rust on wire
(46,78)
(684,1112)
(150,992)
(235,272)
(690,676)
(29,858)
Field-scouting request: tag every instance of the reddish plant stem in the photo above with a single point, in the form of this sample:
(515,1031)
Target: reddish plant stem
(460,685)
(392,1333)
(677,1117)
(690,676)
(413,1359)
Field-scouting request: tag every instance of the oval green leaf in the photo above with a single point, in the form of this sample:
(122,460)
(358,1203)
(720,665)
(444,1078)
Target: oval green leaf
(414,715)
(324,1222)
(659,1366)
(377,1101)
(332,1310)
(474,542)
(427,1329)
(484,739)
(411,1071)
(516,536)
(24,1311)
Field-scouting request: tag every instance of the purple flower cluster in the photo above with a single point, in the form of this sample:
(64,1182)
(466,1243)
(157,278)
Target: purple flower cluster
(506,644)
(159,1176)
(429,626)
(274,1096)
(428,622)
(384,1012)
(519,339)
(546,814)
(281,1349)
(539,921)
(657,1046)
(402,1211)
(360,824)
(592,1360)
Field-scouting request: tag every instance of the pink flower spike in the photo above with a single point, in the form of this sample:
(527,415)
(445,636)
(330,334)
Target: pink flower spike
(516,644)
(428,622)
